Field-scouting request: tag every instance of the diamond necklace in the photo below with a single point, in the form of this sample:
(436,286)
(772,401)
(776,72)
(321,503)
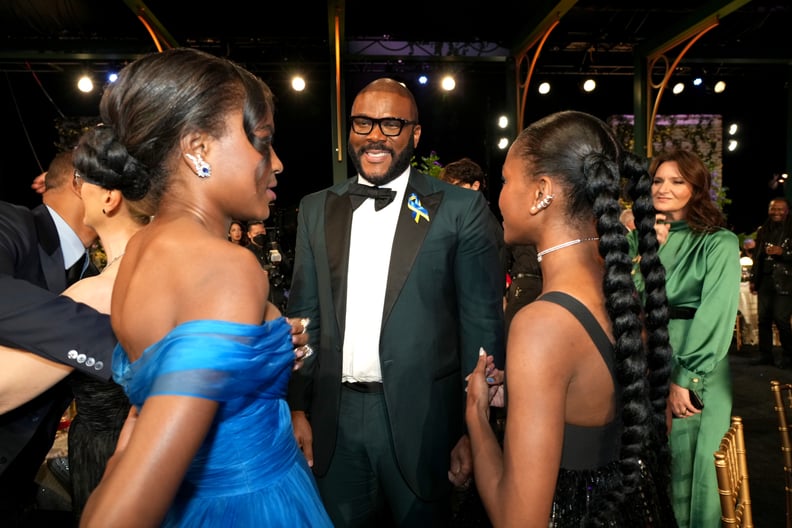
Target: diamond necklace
(112,262)
(562,246)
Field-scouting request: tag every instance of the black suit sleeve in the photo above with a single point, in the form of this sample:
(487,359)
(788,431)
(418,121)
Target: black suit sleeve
(55,327)
(38,320)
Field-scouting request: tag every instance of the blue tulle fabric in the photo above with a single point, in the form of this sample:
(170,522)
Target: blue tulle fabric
(249,470)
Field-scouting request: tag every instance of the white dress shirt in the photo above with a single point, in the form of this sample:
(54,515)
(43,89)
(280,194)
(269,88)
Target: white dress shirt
(71,245)
(370,245)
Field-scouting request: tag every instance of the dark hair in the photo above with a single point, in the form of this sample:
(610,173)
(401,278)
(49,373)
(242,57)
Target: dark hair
(156,100)
(584,159)
(255,222)
(60,170)
(464,171)
(703,215)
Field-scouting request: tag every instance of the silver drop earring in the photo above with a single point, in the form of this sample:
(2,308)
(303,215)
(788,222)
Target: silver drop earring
(202,168)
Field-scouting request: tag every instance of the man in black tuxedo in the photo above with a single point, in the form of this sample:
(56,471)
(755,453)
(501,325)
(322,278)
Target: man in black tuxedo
(37,249)
(402,291)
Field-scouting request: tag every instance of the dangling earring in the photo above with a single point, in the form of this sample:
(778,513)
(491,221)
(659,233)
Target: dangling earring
(202,168)
(544,202)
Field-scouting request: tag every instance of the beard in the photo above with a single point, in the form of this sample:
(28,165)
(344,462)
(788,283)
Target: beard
(399,162)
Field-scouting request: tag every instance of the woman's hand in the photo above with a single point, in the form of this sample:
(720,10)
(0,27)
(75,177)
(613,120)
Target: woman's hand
(679,402)
(485,385)
(661,228)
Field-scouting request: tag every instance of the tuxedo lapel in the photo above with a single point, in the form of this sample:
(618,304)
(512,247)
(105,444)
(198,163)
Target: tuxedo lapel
(50,254)
(407,241)
(338,226)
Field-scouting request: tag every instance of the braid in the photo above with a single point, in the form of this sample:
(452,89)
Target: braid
(602,179)
(582,155)
(656,312)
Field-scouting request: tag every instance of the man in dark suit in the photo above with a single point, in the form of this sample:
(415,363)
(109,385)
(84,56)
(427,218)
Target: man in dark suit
(37,248)
(402,291)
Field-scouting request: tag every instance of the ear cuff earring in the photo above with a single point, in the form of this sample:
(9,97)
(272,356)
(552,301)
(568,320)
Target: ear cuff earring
(543,203)
(202,168)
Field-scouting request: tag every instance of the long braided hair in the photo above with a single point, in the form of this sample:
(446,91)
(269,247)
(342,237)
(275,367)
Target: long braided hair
(581,153)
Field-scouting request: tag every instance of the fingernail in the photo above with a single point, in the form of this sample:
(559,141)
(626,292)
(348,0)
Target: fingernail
(482,352)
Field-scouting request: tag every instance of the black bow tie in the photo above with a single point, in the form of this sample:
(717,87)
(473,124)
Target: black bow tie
(382,195)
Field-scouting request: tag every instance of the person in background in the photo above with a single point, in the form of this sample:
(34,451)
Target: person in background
(468,174)
(272,260)
(464,173)
(771,280)
(585,440)
(748,248)
(42,251)
(401,273)
(236,233)
(703,286)
(257,241)
(202,355)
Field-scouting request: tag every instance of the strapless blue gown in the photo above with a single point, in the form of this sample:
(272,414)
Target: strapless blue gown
(249,470)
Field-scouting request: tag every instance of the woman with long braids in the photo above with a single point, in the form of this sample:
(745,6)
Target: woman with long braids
(701,260)
(586,393)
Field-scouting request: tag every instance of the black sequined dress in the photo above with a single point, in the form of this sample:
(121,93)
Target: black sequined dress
(590,460)
(102,408)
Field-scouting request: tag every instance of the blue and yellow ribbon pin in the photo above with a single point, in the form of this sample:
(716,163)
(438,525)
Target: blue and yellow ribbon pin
(418,210)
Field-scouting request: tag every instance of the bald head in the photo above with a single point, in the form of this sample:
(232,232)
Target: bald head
(391,86)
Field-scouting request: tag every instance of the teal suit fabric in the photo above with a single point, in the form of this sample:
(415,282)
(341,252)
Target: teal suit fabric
(443,302)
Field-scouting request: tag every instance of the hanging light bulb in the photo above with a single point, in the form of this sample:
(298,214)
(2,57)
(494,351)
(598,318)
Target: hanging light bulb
(85,84)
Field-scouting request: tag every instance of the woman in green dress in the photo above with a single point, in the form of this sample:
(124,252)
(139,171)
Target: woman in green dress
(701,260)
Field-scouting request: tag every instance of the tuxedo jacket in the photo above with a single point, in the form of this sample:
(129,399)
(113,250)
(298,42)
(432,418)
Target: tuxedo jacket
(34,317)
(443,302)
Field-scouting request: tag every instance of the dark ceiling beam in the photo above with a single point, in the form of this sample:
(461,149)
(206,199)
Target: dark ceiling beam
(545,14)
(688,27)
(152,23)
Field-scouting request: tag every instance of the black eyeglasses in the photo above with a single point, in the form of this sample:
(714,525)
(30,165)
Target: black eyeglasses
(389,126)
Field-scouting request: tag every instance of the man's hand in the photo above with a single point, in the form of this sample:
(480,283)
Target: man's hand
(461,468)
(304,435)
(38,184)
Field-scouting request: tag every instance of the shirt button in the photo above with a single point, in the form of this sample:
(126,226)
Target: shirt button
(90,362)
(99,365)
(72,354)
(695,380)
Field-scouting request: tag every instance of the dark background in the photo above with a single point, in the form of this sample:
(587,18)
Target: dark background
(47,39)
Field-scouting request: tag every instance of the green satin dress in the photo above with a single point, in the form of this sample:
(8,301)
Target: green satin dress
(702,272)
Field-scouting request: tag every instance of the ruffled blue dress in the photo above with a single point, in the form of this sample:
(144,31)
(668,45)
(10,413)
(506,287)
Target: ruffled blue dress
(249,470)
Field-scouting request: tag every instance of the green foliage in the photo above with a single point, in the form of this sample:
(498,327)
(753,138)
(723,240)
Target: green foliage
(428,164)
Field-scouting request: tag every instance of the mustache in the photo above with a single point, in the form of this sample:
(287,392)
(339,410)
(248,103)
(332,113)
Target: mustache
(380,145)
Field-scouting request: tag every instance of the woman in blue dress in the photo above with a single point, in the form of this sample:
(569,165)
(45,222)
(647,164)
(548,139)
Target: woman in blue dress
(204,359)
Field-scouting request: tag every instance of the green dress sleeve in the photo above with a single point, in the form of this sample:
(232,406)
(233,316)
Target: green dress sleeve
(702,272)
